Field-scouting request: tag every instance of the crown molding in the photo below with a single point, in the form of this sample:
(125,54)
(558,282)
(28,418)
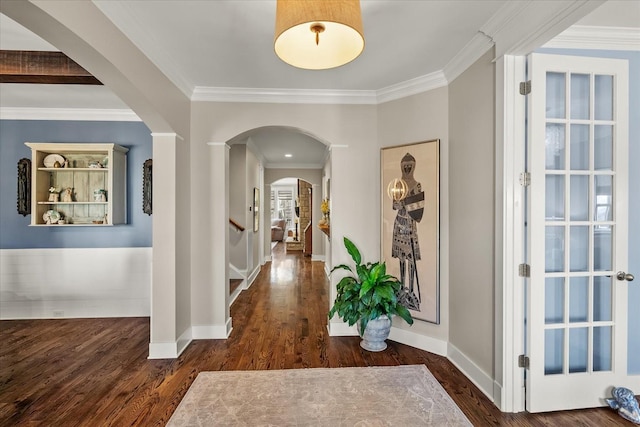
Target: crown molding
(411,87)
(283,96)
(602,38)
(518,28)
(293,166)
(479,44)
(82,114)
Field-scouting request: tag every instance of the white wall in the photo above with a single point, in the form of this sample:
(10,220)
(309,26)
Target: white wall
(472,210)
(419,118)
(88,282)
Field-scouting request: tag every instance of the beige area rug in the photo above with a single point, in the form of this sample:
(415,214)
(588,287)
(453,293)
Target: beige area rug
(376,396)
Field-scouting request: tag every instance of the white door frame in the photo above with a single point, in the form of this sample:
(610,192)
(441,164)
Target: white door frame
(509,392)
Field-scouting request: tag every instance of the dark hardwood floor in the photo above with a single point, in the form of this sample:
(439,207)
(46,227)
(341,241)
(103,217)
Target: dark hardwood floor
(95,372)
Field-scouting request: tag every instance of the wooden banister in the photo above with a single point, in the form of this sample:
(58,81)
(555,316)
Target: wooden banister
(236,225)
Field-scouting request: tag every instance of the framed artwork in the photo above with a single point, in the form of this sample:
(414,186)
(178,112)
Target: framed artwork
(410,226)
(256,209)
(147,187)
(24,187)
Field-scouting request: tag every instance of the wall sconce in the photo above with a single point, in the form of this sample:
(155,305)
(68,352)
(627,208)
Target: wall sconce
(397,189)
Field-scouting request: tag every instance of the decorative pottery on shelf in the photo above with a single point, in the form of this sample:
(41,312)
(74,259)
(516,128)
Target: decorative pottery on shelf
(99,195)
(375,334)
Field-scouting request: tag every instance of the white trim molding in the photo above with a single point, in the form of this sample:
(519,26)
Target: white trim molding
(170,350)
(71,114)
(341,329)
(602,38)
(423,342)
(212,332)
(472,371)
(411,87)
(283,96)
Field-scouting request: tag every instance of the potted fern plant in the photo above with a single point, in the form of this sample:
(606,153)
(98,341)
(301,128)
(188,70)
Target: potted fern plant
(368,297)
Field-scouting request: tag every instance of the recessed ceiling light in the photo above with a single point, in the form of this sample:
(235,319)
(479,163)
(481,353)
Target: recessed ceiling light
(288,155)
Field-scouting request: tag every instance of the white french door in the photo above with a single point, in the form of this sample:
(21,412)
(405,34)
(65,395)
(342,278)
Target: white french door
(578,239)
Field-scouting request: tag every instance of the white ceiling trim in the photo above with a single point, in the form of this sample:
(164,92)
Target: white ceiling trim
(469,54)
(320,96)
(82,114)
(604,38)
(539,24)
(411,87)
(283,96)
(293,166)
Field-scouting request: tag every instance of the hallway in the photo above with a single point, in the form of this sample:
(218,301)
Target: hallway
(90,372)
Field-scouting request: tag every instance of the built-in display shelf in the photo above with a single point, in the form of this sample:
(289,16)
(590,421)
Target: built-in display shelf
(77,184)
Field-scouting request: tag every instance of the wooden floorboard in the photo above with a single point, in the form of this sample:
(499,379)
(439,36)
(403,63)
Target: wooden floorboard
(95,372)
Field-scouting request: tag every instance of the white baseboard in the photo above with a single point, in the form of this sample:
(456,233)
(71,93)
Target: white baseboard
(163,350)
(267,259)
(252,276)
(327,271)
(170,350)
(472,371)
(237,291)
(341,329)
(212,332)
(497,395)
(319,258)
(405,336)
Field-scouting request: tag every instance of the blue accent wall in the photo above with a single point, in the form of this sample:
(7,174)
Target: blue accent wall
(634,190)
(15,232)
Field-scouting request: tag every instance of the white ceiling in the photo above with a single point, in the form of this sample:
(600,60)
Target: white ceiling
(229,44)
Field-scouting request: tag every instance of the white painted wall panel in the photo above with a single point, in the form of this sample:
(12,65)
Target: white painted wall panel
(88,282)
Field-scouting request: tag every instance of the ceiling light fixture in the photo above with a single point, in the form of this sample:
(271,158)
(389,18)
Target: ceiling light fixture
(288,155)
(318,34)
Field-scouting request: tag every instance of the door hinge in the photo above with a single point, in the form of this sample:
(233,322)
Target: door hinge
(525,87)
(523,361)
(525,179)
(524,270)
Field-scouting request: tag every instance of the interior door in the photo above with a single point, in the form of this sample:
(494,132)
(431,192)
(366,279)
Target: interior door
(578,241)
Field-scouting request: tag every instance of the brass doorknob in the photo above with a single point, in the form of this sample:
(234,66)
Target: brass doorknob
(622,276)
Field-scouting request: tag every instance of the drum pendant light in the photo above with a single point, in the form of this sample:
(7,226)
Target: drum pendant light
(318,34)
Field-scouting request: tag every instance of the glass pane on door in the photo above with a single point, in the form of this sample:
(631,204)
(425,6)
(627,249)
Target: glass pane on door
(579,184)
(580,100)
(579,146)
(603,97)
(555,95)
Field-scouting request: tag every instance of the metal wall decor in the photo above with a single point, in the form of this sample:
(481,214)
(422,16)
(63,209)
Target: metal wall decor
(24,187)
(147,186)
(256,209)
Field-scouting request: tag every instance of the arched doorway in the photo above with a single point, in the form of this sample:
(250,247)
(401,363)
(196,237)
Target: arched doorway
(258,159)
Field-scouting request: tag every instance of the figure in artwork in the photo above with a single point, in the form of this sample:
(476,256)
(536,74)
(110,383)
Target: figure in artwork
(405,244)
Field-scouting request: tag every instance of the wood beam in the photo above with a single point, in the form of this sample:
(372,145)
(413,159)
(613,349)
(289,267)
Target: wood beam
(43,67)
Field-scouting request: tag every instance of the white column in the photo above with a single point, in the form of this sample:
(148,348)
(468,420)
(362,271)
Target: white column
(219,214)
(164,337)
(341,218)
